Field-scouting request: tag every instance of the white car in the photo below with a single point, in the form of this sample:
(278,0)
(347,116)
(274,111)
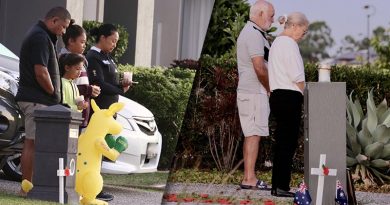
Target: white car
(143,137)
(139,128)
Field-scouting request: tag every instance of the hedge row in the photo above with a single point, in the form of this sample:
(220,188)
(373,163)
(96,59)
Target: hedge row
(165,93)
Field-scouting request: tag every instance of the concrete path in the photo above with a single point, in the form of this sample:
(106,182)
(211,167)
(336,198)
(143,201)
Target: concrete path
(363,198)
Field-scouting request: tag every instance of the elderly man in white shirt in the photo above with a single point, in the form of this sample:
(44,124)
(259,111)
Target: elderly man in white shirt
(253,88)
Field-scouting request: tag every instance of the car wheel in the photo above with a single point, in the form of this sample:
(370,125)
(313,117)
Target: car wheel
(12,168)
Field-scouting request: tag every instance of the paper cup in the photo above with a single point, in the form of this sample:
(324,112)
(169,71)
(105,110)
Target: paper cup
(128,76)
(79,99)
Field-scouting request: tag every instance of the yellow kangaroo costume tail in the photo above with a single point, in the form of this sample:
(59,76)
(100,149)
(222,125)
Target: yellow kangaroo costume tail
(26,185)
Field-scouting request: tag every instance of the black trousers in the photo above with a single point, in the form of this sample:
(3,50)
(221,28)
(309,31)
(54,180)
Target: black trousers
(286,107)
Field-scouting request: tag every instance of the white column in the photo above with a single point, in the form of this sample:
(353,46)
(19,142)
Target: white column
(144,36)
(76,10)
(158,46)
(93,10)
(196,16)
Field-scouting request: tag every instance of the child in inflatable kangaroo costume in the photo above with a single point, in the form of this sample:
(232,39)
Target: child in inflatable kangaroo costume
(92,144)
(91,147)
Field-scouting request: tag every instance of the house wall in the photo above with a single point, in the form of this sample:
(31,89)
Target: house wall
(144,37)
(166,31)
(14,26)
(93,10)
(124,12)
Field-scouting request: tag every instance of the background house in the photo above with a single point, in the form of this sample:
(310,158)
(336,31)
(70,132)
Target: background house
(160,31)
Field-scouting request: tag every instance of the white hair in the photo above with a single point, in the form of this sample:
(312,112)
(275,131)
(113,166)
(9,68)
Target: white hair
(296,18)
(258,7)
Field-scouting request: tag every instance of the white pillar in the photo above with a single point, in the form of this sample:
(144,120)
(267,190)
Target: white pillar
(144,36)
(93,10)
(76,9)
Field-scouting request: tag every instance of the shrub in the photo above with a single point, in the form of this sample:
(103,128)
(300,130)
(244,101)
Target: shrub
(121,46)
(165,93)
(227,19)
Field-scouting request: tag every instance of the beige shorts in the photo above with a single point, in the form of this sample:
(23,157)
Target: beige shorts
(254,111)
(28,109)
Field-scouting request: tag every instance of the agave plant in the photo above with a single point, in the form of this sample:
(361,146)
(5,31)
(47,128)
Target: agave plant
(368,144)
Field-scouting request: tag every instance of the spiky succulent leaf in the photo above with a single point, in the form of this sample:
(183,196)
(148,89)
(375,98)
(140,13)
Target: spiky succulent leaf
(380,175)
(377,174)
(359,108)
(386,118)
(380,163)
(352,139)
(350,153)
(351,161)
(374,150)
(355,115)
(349,112)
(386,152)
(382,108)
(382,134)
(364,138)
(372,119)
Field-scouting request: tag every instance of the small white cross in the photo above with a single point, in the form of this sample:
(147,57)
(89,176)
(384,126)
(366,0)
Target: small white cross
(320,172)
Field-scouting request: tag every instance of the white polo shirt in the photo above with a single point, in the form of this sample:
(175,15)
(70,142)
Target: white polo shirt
(250,43)
(285,64)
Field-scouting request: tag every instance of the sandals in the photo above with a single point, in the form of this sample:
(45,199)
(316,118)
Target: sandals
(260,185)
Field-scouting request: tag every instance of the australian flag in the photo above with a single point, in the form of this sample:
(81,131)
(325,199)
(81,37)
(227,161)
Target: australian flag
(341,197)
(302,196)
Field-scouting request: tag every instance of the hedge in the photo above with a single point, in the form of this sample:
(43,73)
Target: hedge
(165,93)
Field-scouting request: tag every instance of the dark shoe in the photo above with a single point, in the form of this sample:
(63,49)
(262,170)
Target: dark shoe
(104,196)
(281,193)
(260,185)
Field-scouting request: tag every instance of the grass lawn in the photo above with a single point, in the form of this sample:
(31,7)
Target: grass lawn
(146,180)
(8,199)
(131,180)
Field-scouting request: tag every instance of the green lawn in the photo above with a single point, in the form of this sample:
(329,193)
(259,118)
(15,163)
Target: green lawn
(8,199)
(147,180)
(132,180)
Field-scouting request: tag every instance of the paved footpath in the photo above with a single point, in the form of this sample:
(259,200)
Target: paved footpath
(363,198)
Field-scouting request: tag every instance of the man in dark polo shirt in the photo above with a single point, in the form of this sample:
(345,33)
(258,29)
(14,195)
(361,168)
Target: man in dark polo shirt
(40,81)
